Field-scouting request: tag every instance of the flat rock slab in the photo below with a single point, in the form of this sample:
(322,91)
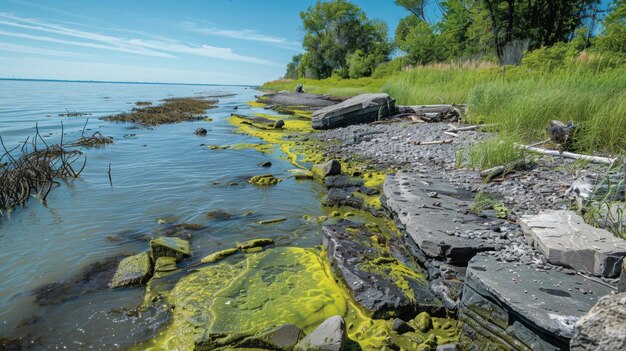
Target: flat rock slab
(374,277)
(565,239)
(304,101)
(441,226)
(364,108)
(520,307)
(329,336)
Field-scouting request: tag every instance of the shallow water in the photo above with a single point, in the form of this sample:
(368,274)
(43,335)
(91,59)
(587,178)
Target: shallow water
(161,172)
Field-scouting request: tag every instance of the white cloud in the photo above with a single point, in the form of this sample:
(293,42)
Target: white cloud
(10,47)
(242,34)
(156,48)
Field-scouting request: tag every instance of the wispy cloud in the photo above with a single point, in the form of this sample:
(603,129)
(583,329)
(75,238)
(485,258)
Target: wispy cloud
(242,34)
(157,48)
(10,47)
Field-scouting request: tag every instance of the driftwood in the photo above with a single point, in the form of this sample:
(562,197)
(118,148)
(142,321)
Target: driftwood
(454,129)
(593,159)
(424,109)
(490,173)
(450,134)
(435,142)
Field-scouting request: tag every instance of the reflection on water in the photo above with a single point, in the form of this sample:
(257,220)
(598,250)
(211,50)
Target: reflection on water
(55,261)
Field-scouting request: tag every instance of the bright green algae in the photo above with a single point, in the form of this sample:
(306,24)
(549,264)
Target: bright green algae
(218,305)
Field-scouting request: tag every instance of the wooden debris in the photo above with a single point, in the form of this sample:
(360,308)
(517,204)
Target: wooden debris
(593,159)
(435,142)
(451,134)
(454,129)
(493,172)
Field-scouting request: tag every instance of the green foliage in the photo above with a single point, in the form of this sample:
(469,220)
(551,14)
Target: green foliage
(494,152)
(334,30)
(418,40)
(389,68)
(363,65)
(293,66)
(613,38)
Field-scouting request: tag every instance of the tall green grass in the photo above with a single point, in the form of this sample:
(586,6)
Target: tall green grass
(331,86)
(523,108)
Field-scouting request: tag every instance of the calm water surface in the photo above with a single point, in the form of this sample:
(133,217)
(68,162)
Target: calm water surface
(161,172)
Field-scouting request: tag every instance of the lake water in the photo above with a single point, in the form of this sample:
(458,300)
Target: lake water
(157,173)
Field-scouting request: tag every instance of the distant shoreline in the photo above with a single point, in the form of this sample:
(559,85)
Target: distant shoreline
(118,82)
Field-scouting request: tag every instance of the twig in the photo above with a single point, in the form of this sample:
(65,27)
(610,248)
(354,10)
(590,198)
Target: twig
(82,133)
(435,142)
(594,159)
(451,134)
(110,179)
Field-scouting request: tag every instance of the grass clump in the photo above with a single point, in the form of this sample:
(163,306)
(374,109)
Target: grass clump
(172,110)
(96,139)
(490,153)
(332,86)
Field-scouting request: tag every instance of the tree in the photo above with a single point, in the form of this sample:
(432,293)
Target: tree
(614,35)
(335,30)
(418,40)
(292,67)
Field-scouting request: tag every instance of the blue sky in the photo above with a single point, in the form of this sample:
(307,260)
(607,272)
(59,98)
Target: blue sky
(210,41)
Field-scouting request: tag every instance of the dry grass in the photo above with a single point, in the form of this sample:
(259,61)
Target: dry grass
(172,110)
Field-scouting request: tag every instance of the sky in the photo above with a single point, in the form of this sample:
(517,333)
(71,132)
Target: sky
(211,41)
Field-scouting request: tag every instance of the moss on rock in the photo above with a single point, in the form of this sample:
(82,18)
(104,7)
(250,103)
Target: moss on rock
(220,255)
(132,270)
(264,180)
(170,246)
(255,243)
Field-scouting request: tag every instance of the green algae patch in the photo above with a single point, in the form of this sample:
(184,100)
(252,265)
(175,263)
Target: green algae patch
(220,255)
(221,304)
(173,110)
(260,147)
(255,243)
(264,180)
(165,264)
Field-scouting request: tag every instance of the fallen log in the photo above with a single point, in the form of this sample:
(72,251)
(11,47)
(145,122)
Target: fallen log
(593,159)
(435,142)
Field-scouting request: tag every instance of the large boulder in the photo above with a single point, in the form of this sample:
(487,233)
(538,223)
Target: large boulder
(380,283)
(603,328)
(510,306)
(132,270)
(329,336)
(565,239)
(364,108)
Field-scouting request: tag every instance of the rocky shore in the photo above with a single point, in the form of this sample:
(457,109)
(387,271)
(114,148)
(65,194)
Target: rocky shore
(521,272)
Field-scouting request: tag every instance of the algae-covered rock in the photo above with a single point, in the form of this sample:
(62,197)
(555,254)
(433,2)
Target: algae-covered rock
(225,304)
(165,264)
(326,169)
(329,336)
(264,180)
(254,243)
(170,246)
(132,270)
(283,338)
(423,322)
(220,255)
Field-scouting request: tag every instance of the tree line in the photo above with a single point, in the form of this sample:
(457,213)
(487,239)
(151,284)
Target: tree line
(340,40)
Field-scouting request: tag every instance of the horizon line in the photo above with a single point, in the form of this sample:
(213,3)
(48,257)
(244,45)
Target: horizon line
(120,82)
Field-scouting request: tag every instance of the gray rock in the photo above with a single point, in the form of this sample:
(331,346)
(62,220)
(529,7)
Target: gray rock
(365,271)
(329,336)
(436,224)
(342,181)
(279,124)
(401,327)
(519,307)
(201,131)
(338,197)
(603,327)
(565,239)
(283,338)
(302,101)
(364,108)
(327,169)
(621,286)
(448,347)
(132,270)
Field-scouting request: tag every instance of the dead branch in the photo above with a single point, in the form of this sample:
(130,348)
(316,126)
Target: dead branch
(593,159)
(435,142)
